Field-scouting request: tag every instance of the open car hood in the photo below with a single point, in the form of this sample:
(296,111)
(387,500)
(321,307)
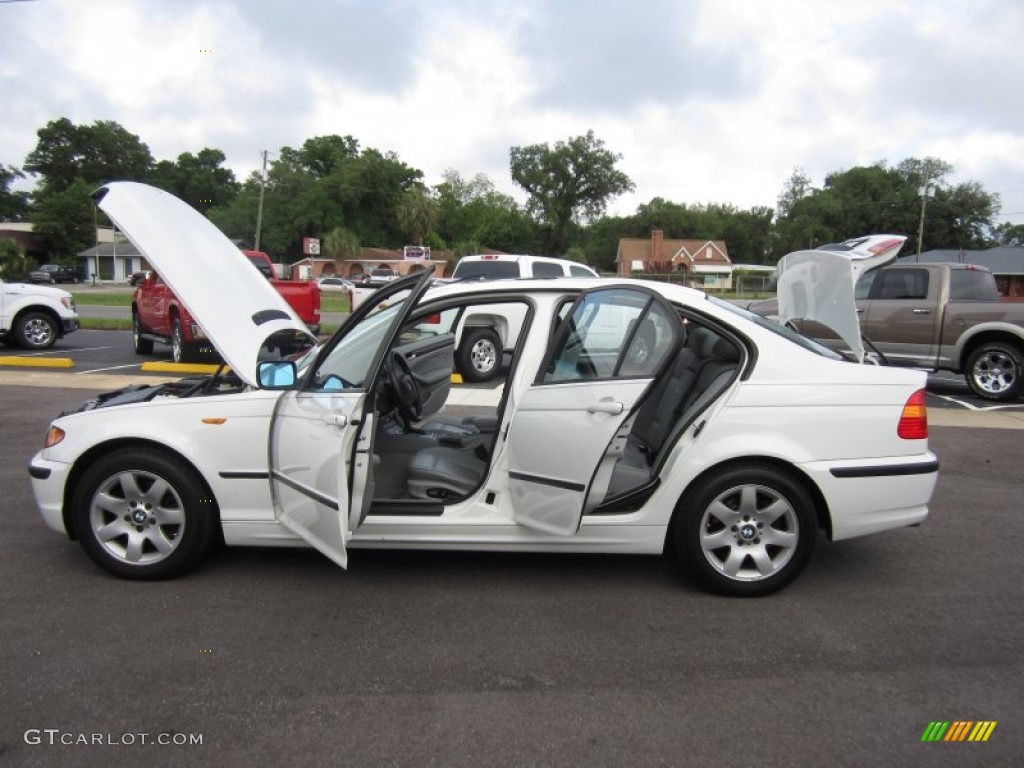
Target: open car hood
(818,285)
(236,306)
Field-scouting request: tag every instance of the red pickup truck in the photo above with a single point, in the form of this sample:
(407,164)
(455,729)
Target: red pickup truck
(158,315)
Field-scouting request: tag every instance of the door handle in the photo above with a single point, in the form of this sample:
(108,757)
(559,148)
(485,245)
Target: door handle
(606,406)
(922,311)
(860,311)
(337,419)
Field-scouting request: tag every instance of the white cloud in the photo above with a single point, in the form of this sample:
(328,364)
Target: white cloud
(713,101)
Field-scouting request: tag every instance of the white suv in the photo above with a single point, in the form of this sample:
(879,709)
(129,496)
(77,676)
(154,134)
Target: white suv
(494,267)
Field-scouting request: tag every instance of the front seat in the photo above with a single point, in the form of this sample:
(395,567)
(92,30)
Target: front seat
(444,473)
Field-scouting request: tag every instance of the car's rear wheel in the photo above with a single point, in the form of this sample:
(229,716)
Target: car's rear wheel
(480,354)
(141,514)
(35,330)
(746,530)
(142,345)
(994,371)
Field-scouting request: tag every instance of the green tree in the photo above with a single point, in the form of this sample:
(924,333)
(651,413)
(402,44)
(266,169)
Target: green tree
(417,214)
(97,153)
(342,243)
(200,180)
(474,211)
(13,205)
(567,184)
(879,198)
(63,222)
(13,263)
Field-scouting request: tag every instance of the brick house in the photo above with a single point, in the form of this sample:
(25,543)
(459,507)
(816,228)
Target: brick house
(703,263)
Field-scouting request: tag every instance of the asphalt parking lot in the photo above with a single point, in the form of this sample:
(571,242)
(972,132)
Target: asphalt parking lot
(277,657)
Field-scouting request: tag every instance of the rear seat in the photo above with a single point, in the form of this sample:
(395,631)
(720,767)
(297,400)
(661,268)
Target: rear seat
(701,370)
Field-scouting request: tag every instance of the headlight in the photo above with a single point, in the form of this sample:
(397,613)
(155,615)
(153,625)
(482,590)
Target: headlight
(68,302)
(53,436)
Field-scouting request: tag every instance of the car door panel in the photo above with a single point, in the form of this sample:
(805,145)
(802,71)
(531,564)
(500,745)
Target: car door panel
(321,443)
(571,425)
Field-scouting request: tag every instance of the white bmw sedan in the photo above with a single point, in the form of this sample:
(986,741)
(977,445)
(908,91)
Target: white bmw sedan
(631,418)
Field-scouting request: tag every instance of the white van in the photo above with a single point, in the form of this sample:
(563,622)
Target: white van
(497,266)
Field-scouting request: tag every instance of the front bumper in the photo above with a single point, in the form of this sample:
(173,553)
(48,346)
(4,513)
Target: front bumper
(70,324)
(48,481)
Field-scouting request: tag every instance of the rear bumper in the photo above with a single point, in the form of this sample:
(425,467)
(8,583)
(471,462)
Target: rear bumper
(872,495)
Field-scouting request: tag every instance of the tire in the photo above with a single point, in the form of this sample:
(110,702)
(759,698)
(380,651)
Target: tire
(142,346)
(480,354)
(181,350)
(994,371)
(141,514)
(36,330)
(746,531)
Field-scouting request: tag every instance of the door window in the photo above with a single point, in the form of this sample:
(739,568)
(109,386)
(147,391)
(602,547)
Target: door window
(614,333)
(902,284)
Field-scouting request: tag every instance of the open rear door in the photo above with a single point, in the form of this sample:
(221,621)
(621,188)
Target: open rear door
(571,425)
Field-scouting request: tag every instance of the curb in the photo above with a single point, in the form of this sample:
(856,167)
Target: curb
(156,367)
(38,362)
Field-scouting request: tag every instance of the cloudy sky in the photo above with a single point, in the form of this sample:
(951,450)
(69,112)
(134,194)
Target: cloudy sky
(706,100)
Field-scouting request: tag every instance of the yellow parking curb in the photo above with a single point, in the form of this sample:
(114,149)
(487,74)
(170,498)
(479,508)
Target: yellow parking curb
(38,362)
(456,378)
(156,367)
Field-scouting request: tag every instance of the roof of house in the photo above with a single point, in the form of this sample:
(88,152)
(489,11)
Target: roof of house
(1002,260)
(125,249)
(689,252)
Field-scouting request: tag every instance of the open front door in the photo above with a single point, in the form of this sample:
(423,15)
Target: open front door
(321,467)
(571,425)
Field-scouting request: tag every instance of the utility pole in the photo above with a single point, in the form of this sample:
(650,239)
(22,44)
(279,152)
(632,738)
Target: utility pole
(259,211)
(926,191)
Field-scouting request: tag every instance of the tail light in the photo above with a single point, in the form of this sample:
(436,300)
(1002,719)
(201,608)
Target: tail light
(914,419)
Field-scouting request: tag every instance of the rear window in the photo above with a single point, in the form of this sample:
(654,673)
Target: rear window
(547,269)
(489,270)
(972,285)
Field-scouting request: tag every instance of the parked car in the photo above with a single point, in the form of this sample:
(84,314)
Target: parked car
(486,337)
(33,317)
(494,266)
(55,273)
(730,443)
(137,277)
(936,316)
(334,285)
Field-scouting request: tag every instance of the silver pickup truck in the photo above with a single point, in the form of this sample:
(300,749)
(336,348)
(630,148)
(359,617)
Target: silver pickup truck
(938,317)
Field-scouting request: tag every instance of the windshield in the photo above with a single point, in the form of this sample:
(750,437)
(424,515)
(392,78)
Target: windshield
(779,330)
(347,363)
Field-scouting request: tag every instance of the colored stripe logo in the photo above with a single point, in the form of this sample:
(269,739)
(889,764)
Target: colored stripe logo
(958,730)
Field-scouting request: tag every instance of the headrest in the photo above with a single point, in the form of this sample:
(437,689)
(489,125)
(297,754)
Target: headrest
(709,344)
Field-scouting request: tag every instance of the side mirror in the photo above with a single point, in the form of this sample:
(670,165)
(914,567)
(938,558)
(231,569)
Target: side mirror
(276,374)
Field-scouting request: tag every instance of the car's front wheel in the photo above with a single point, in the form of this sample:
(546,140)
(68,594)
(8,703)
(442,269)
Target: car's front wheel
(35,330)
(746,530)
(142,345)
(994,371)
(141,514)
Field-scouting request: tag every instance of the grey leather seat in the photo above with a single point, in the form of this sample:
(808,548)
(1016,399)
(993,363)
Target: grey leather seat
(444,473)
(702,368)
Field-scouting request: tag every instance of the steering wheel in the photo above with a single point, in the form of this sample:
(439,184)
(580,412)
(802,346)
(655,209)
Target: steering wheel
(405,389)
